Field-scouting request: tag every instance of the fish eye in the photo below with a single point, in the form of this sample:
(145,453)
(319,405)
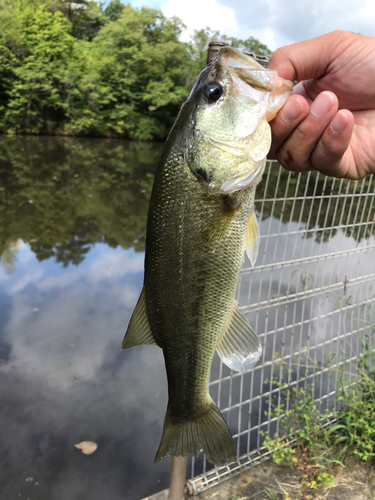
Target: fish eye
(213,91)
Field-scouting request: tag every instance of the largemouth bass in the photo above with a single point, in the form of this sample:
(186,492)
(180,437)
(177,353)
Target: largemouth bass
(200,221)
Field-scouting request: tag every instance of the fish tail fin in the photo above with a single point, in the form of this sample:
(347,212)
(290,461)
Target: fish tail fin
(208,431)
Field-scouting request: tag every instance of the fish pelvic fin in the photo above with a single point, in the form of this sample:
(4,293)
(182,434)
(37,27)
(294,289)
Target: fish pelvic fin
(209,432)
(239,348)
(252,238)
(139,331)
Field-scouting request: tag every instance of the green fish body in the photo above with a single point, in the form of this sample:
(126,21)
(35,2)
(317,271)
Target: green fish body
(200,221)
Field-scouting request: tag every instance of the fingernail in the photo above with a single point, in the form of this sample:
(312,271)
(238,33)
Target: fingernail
(338,123)
(291,110)
(322,104)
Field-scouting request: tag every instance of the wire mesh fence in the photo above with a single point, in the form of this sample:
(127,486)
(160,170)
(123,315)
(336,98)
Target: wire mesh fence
(311,300)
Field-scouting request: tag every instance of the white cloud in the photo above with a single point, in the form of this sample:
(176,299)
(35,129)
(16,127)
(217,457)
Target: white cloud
(115,264)
(198,14)
(60,281)
(104,267)
(28,278)
(3,275)
(274,22)
(59,338)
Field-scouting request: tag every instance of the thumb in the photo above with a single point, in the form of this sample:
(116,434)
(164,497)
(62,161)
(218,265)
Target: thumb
(311,58)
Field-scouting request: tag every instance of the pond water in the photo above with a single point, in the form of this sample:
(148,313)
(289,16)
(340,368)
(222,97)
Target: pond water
(72,232)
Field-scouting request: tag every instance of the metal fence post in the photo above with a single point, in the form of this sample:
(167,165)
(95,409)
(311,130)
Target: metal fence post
(178,477)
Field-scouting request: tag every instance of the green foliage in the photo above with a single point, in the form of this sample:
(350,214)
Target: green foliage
(271,494)
(355,432)
(301,442)
(282,455)
(251,44)
(35,97)
(199,43)
(72,68)
(318,451)
(142,62)
(114,10)
(85,16)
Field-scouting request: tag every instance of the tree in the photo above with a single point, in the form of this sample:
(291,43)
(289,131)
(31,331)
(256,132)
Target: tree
(73,68)
(143,65)
(251,44)
(199,44)
(85,16)
(114,10)
(39,69)
(198,51)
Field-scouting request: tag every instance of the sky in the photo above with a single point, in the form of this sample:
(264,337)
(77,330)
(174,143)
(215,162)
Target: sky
(273,22)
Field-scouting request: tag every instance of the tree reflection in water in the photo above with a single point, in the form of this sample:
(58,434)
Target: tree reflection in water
(62,195)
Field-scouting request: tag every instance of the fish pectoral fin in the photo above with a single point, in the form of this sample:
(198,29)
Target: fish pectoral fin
(139,331)
(239,348)
(252,238)
(215,230)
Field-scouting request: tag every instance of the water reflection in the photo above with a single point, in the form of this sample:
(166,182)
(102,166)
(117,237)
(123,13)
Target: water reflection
(63,375)
(72,231)
(63,195)
(64,379)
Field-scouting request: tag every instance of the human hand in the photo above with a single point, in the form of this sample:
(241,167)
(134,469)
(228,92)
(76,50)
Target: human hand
(328,124)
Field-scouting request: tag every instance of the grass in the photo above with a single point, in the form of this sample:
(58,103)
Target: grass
(321,452)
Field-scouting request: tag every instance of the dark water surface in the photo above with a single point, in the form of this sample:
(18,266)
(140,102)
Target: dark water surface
(72,232)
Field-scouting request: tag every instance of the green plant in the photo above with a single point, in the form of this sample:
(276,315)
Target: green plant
(303,442)
(271,494)
(300,442)
(355,431)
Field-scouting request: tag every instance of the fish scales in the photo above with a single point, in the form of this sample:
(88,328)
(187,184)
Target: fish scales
(200,285)
(201,218)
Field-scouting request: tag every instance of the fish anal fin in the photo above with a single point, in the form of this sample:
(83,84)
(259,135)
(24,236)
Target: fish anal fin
(239,348)
(209,432)
(216,229)
(139,331)
(252,238)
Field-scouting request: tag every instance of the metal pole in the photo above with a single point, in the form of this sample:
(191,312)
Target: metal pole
(178,477)
(213,48)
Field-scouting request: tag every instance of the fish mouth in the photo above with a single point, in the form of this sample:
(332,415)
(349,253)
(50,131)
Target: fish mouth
(250,71)
(243,182)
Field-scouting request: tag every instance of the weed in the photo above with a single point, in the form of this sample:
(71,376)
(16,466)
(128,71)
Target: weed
(271,494)
(303,442)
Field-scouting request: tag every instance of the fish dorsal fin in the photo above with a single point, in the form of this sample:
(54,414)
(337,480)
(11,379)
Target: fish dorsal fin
(216,229)
(252,238)
(239,348)
(139,331)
